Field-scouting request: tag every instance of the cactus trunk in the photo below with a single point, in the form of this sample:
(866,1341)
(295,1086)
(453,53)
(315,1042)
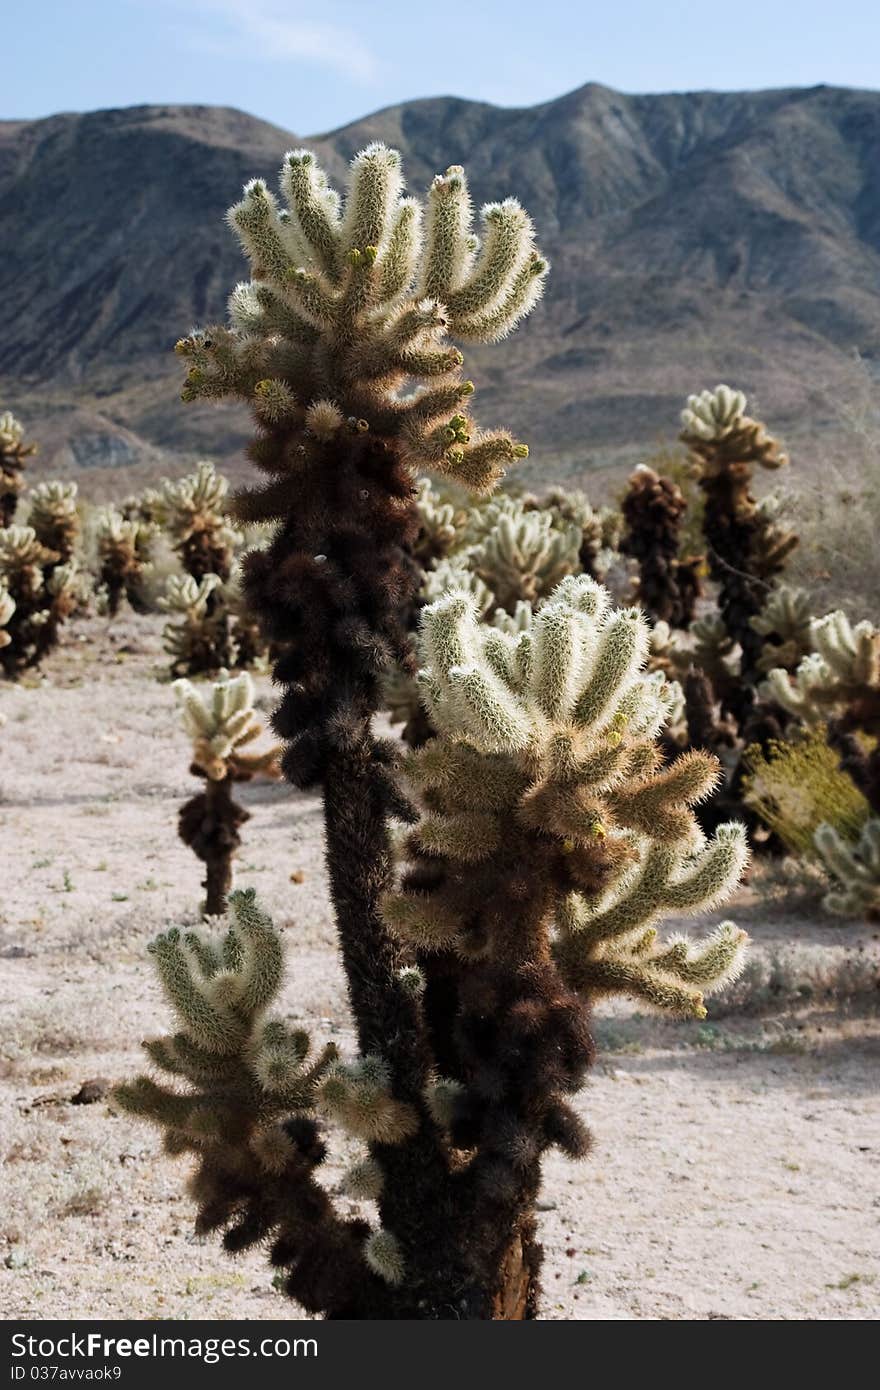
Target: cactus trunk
(218,859)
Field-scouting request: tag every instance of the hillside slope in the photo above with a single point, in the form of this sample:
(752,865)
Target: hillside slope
(694,237)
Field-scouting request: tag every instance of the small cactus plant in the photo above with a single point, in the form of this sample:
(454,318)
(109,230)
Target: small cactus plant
(198,635)
(854,865)
(222,725)
(55,519)
(195,511)
(13,453)
(124,557)
(746,549)
(43,591)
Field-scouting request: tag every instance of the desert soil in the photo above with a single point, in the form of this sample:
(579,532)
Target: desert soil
(735,1165)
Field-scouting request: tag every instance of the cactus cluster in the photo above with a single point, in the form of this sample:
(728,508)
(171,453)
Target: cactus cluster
(13,454)
(44,592)
(222,724)
(839,682)
(523,554)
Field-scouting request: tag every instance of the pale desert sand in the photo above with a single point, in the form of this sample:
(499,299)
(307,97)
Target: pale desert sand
(735,1171)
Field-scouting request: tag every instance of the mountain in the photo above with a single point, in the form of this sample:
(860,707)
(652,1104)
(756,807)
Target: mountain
(694,237)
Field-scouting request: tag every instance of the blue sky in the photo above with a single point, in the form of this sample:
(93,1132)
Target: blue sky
(312,66)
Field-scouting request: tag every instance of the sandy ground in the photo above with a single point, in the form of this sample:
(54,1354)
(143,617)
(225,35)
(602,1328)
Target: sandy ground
(735,1173)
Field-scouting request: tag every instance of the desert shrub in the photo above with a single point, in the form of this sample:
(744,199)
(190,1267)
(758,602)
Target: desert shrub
(796,786)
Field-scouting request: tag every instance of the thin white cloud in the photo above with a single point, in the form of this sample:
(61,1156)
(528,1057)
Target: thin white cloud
(273,30)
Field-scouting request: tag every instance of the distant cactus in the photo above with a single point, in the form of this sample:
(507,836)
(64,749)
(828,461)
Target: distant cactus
(600,530)
(746,548)
(7,608)
(437,533)
(197,636)
(524,554)
(196,517)
(150,507)
(54,518)
(669,585)
(248,639)
(13,453)
(854,865)
(785,623)
(840,682)
(222,724)
(43,591)
(124,551)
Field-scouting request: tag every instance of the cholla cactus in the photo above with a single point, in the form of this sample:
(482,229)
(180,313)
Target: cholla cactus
(222,724)
(840,682)
(195,514)
(855,866)
(241,1102)
(600,530)
(346,308)
(524,554)
(248,640)
(457,574)
(124,558)
(554,729)
(785,623)
(7,608)
(44,593)
(438,531)
(198,638)
(669,586)
(149,507)
(358,1095)
(13,453)
(551,842)
(746,549)
(55,519)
